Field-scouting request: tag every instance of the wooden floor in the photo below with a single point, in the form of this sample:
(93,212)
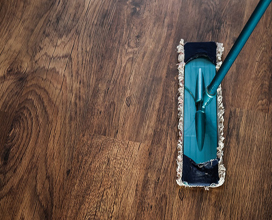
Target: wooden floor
(88,110)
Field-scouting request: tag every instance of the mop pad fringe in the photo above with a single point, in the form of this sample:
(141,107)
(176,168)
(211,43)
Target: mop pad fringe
(220,118)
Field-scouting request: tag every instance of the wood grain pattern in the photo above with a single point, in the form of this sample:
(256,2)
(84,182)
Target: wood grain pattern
(88,110)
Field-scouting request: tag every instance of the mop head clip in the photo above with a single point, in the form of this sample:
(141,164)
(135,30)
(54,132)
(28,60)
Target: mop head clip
(200,143)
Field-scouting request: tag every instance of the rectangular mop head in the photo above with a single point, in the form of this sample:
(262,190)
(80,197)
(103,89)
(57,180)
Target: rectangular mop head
(200,144)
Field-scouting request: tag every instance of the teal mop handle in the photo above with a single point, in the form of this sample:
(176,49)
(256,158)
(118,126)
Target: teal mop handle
(235,50)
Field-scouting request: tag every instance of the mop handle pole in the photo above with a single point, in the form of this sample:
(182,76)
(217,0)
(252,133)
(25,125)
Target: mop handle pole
(235,50)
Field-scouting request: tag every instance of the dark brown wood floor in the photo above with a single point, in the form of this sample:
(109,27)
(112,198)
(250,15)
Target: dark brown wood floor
(88,110)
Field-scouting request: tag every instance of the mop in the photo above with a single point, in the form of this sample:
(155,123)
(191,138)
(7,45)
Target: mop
(200,106)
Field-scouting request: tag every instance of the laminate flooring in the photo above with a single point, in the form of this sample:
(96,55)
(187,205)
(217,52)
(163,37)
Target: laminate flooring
(88,110)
